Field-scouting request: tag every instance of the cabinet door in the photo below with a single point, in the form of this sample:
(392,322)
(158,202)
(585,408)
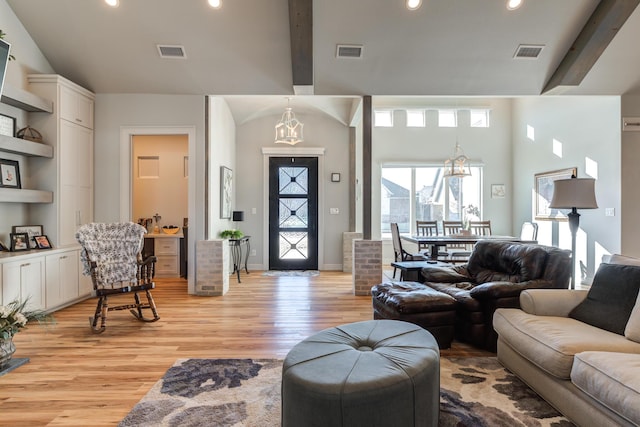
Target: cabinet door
(76,107)
(24,279)
(61,278)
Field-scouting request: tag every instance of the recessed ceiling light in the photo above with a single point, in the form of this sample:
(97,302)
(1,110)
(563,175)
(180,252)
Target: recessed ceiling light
(513,4)
(413,4)
(216,4)
(112,3)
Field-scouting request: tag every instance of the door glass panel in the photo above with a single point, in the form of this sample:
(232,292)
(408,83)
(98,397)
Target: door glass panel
(294,180)
(294,213)
(293,245)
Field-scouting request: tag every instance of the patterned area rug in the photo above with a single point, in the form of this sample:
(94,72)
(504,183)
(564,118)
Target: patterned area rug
(475,391)
(291,273)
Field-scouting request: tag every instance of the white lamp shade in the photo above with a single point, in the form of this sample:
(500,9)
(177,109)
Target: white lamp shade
(572,193)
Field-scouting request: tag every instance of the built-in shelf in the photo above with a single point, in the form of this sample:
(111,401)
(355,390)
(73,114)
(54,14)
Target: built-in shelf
(25,147)
(24,100)
(14,195)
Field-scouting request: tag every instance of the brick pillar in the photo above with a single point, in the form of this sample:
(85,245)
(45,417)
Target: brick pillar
(347,250)
(212,267)
(367,265)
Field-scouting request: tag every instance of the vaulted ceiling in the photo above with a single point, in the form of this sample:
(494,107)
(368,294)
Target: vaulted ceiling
(445,48)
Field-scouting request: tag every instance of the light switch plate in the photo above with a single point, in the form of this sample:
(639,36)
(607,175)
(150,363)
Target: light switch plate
(334,211)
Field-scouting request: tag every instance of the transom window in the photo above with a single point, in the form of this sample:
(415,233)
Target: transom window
(383,118)
(447,118)
(420,193)
(416,118)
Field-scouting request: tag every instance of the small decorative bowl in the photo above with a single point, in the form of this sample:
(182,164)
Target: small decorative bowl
(170,230)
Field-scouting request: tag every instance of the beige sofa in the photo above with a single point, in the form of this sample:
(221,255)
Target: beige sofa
(591,375)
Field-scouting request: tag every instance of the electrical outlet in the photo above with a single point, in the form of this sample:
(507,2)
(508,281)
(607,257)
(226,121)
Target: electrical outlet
(254,211)
(334,211)
(253,252)
(610,212)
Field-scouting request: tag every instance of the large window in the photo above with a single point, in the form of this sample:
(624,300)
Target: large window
(421,193)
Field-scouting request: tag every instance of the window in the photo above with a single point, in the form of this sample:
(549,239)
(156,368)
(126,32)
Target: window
(447,118)
(479,118)
(415,119)
(409,194)
(383,118)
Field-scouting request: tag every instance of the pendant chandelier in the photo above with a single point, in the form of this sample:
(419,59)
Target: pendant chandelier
(289,129)
(457,165)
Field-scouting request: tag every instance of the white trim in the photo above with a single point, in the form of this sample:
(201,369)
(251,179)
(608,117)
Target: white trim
(126,150)
(268,152)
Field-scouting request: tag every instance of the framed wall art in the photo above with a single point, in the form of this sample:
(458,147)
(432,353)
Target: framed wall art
(497,191)
(544,193)
(7,125)
(9,173)
(31,230)
(226,192)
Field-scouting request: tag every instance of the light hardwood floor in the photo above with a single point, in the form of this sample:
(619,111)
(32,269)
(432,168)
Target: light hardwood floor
(77,378)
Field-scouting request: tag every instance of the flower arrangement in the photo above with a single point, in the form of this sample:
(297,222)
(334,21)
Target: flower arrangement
(471,213)
(231,234)
(15,316)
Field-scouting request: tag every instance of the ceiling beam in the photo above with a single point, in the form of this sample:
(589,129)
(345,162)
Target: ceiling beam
(301,35)
(597,33)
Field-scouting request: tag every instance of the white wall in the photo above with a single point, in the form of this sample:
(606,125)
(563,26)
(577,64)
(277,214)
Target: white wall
(319,131)
(222,143)
(588,129)
(630,209)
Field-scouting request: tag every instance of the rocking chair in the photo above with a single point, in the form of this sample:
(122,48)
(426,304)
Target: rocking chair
(112,256)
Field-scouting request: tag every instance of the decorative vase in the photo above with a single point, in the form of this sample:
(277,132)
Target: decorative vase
(7,348)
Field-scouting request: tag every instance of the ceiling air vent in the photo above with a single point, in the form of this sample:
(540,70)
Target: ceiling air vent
(171,51)
(349,51)
(528,51)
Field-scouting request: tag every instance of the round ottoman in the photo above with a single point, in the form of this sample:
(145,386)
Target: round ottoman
(372,373)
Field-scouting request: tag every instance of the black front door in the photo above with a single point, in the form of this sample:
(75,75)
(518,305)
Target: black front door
(293,213)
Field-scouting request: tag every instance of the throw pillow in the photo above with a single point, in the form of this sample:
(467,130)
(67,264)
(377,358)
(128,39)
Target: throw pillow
(632,330)
(611,298)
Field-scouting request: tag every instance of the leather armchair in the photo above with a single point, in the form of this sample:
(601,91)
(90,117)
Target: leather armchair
(493,278)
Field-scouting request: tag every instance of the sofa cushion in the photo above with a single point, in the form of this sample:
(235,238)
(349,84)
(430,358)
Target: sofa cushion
(611,298)
(622,259)
(550,342)
(510,262)
(610,378)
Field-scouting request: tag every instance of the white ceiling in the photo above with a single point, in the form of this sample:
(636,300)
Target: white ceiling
(445,48)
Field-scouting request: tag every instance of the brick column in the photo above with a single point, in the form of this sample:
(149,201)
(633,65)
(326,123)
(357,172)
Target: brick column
(212,267)
(367,265)
(347,250)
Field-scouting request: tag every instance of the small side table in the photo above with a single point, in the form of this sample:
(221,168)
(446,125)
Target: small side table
(240,249)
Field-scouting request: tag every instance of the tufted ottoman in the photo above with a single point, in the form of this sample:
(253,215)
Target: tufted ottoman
(417,303)
(377,372)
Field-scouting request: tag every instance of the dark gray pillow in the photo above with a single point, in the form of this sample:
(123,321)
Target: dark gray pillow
(611,298)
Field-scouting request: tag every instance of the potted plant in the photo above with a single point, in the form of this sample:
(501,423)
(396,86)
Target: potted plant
(231,234)
(14,317)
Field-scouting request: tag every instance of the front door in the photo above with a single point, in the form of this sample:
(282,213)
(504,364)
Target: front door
(293,213)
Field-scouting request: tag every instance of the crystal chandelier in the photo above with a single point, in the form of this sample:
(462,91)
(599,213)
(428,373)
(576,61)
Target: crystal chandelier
(457,165)
(289,129)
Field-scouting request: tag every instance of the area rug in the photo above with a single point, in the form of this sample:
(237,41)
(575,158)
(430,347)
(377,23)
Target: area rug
(291,273)
(474,391)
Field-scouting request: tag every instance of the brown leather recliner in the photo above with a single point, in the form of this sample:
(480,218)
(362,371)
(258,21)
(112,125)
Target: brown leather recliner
(495,275)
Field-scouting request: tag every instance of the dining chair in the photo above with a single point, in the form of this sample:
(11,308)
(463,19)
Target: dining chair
(529,231)
(399,253)
(425,229)
(458,253)
(480,228)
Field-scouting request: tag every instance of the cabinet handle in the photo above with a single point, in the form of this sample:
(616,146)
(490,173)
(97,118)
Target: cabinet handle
(25,264)
(78,120)
(78,218)
(63,257)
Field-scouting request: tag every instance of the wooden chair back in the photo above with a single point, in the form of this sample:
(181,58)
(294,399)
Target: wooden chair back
(529,231)
(451,227)
(480,228)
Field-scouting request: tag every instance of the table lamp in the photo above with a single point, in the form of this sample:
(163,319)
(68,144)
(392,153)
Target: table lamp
(574,193)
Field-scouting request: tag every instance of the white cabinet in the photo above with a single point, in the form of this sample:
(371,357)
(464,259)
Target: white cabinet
(62,280)
(24,278)
(167,252)
(70,175)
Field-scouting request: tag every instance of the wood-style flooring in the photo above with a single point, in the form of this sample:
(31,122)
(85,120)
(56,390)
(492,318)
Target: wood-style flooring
(77,378)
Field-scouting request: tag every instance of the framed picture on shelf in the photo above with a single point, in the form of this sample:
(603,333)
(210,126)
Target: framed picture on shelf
(19,242)
(31,230)
(42,242)
(7,125)
(9,173)
(544,193)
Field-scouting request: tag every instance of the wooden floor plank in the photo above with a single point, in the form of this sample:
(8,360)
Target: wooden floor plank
(75,377)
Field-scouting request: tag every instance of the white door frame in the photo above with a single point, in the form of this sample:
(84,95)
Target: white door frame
(126,193)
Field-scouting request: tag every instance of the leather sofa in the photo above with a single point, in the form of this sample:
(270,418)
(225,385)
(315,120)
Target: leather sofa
(578,349)
(494,276)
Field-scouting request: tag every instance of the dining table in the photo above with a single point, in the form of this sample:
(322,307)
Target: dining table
(434,242)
